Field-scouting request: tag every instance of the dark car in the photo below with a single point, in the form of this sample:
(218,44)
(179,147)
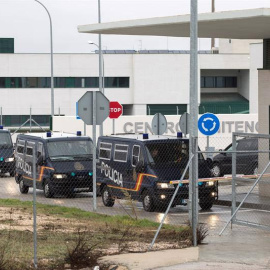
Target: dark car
(246,163)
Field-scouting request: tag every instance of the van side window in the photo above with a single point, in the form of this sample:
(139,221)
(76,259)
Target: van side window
(105,150)
(40,150)
(20,146)
(29,151)
(135,155)
(120,152)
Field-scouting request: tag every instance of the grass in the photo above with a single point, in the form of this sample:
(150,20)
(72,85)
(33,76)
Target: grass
(75,213)
(65,235)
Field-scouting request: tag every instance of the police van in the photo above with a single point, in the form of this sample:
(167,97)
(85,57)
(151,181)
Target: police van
(143,166)
(63,163)
(7,162)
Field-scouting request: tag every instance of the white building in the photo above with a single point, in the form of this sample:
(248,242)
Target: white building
(144,82)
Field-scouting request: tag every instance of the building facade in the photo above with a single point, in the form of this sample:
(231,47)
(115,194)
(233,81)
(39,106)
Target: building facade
(144,82)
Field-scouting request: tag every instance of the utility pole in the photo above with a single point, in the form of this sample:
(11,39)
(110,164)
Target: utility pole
(213,9)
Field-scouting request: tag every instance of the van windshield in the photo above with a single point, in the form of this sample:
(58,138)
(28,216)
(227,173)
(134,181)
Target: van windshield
(162,153)
(70,150)
(5,140)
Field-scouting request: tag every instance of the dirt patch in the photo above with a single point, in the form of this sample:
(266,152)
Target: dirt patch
(74,242)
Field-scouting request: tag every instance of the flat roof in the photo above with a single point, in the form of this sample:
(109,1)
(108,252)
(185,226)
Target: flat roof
(139,137)
(238,24)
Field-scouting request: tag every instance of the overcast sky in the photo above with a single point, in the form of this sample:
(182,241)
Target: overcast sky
(27,21)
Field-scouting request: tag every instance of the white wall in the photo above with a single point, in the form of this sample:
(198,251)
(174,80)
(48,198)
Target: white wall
(154,78)
(140,124)
(243,83)
(236,45)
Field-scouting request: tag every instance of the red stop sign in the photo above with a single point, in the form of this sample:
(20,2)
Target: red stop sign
(116,109)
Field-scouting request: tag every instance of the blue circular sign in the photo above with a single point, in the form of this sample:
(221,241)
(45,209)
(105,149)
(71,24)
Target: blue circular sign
(208,124)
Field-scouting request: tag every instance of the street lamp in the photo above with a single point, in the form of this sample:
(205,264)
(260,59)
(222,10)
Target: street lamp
(52,82)
(101,76)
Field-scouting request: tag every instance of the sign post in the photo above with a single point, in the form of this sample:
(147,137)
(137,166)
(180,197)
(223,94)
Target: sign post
(116,110)
(93,109)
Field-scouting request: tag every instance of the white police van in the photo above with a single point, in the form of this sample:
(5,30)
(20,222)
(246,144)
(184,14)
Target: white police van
(143,166)
(7,161)
(64,163)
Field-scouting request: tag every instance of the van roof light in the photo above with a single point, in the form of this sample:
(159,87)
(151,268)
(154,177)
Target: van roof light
(79,133)
(145,136)
(1,127)
(49,134)
(179,134)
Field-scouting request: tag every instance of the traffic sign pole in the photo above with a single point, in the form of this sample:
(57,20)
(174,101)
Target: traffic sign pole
(94,152)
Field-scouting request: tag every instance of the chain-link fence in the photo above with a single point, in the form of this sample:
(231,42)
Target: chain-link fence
(142,180)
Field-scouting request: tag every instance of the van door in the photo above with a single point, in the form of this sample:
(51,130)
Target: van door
(121,170)
(40,164)
(28,163)
(137,163)
(20,145)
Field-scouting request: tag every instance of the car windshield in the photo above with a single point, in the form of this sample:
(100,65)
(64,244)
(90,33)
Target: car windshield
(5,140)
(70,150)
(163,153)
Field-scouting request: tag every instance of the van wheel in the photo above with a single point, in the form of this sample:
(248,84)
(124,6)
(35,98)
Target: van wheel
(23,188)
(148,202)
(107,197)
(206,203)
(47,189)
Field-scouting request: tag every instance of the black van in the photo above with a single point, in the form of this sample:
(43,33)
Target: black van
(142,167)
(246,163)
(7,161)
(64,163)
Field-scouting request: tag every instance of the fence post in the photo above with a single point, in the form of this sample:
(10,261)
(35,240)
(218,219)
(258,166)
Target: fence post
(30,119)
(233,175)
(34,203)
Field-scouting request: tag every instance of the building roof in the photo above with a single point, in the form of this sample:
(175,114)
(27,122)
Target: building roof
(238,24)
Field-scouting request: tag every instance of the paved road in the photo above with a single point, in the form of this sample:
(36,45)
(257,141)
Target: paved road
(216,218)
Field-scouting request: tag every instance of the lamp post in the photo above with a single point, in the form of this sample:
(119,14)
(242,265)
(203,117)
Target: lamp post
(101,76)
(51,41)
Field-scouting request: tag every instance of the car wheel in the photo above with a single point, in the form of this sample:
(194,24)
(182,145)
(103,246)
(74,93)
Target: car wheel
(12,173)
(23,188)
(148,202)
(107,197)
(206,203)
(216,170)
(47,190)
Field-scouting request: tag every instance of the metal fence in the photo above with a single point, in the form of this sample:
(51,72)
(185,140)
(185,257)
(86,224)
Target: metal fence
(139,181)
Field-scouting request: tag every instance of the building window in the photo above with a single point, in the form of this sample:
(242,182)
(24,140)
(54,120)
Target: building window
(218,82)
(63,82)
(167,109)
(6,45)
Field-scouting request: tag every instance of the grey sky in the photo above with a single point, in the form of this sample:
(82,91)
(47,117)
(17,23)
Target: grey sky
(28,23)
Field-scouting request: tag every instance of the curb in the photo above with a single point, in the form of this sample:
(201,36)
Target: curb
(153,259)
(245,204)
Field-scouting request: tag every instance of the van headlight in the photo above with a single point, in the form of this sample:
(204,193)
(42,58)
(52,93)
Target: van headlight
(210,183)
(164,185)
(11,159)
(59,176)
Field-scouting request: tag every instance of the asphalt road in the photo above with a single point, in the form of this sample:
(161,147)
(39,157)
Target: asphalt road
(216,218)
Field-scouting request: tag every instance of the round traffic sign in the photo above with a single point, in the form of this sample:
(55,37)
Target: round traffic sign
(208,124)
(116,110)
